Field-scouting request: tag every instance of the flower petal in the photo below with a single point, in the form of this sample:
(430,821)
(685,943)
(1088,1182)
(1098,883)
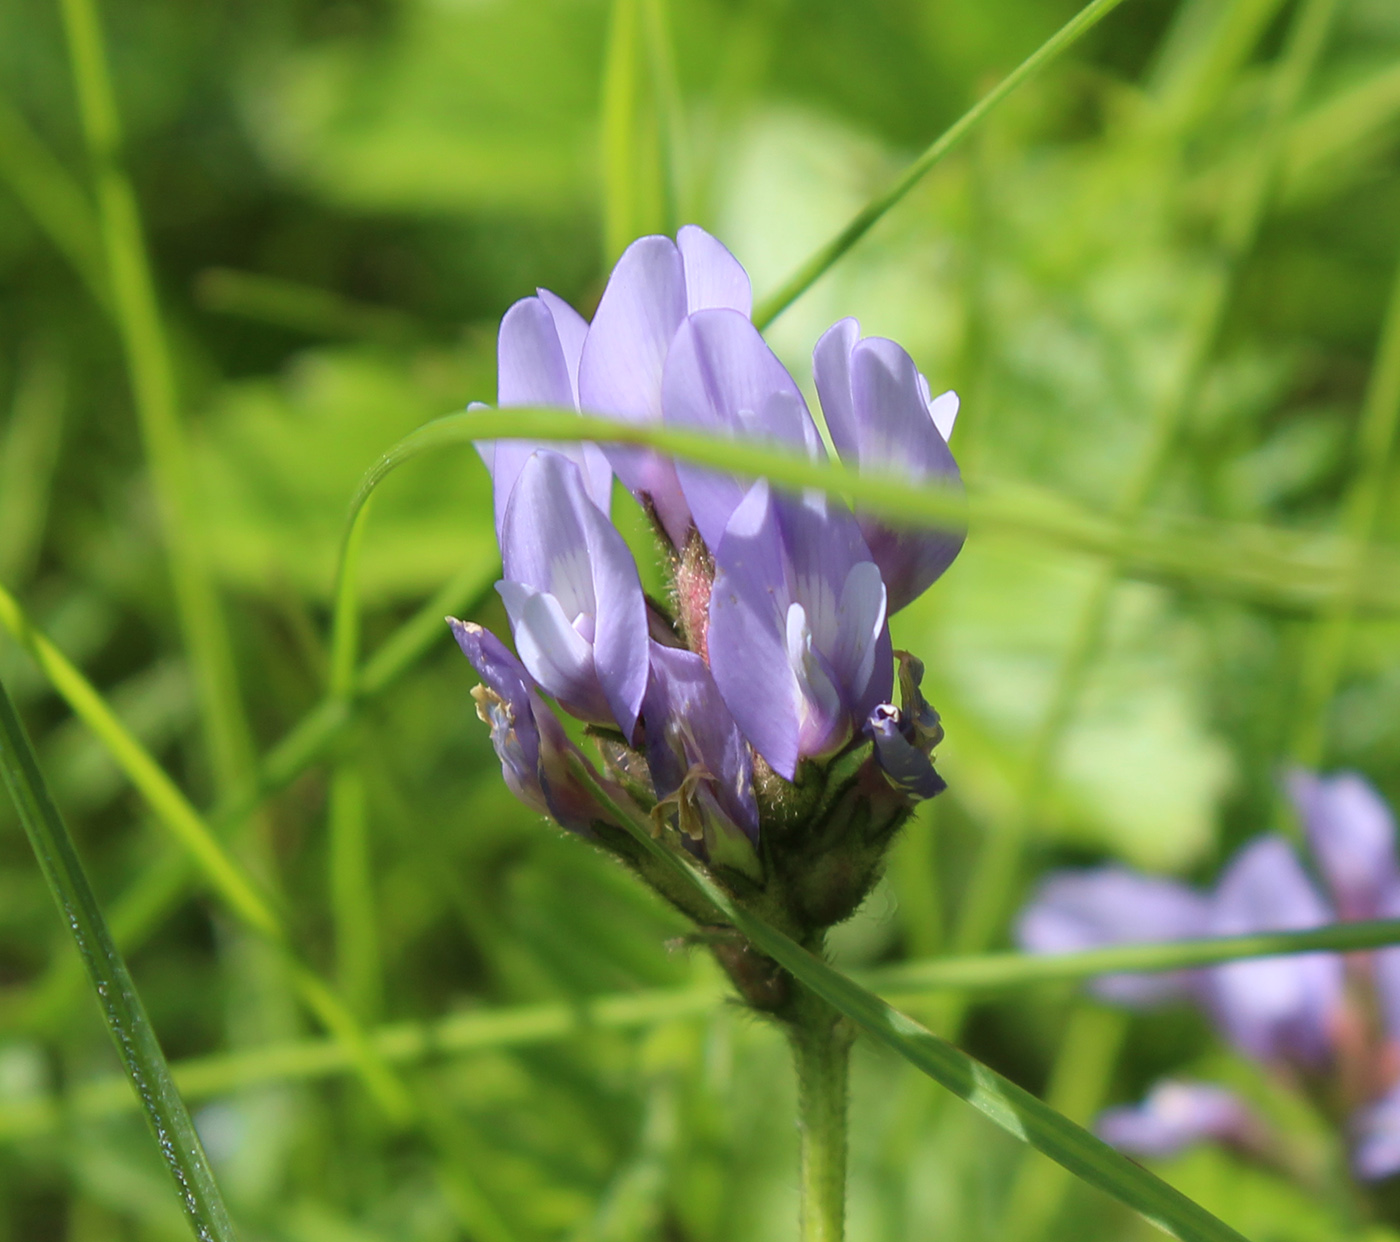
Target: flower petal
(1352,835)
(878,410)
(622,361)
(748,632)
(1275,1008)
(908,768)
(720,377)
(568,569)
(1075,910)
(688,727)
(713,276)
(1376,1138)
(1177,1115)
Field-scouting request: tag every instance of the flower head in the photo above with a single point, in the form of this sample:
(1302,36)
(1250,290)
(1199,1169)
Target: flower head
(1303,1013)
(752,718)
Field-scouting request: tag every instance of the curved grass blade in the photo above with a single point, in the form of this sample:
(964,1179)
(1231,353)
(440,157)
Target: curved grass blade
(126,1017)
(808,274)
(1008,1106)
(1283,568)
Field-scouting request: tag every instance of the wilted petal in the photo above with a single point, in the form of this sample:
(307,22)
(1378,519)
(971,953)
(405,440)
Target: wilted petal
(1276,1008)
(1076,910)
(574,595)
(908,767)
(1177,1115)
(1352,835)
(539,763)
(721,378)
(689,728)
(713,276)
(878,410)
(1376,1138)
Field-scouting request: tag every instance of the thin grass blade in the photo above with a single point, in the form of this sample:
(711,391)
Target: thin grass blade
(126,1017)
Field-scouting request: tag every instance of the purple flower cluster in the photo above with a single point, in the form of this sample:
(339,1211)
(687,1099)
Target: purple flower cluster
(1322,1018)
(772,658)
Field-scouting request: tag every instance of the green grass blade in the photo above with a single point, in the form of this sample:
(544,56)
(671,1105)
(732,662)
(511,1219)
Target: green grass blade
(1005,1104)
(810,272)
(126,1018)
(1297,571)
(28,455)
(1243,212)
(152,375)
(525,1025)
(621,171)
(54,200)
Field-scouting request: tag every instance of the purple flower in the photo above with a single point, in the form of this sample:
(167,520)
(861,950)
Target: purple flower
(1077,910)
(537,759)
(1352,835)
(881,416)
(573,595)
(774,647)
(1375,1152)
(1274,1008)
(1177,1115)
(654,286)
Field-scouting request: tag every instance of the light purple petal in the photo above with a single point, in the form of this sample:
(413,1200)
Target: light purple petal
(748,632)
(1076,910)
(721,378)
(713,276)
(878,410)
(572,586)
(688,726)
(1352,835)
(622,361)
(1376,1138)
(1177,1115)
(844,604)
(537,364)
(1278,1008)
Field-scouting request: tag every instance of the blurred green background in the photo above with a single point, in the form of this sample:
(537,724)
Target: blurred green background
(1158,277)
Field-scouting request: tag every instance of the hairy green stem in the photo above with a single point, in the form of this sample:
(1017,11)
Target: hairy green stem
(821,1052)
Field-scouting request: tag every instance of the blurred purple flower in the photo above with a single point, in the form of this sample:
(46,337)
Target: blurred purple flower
(1291,1010)
(881,416)
(1273,1008)
(1352,835)
(1077,910)
(1176,1115)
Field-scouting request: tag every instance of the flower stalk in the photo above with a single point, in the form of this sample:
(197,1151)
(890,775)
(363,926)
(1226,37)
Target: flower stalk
(821,1050)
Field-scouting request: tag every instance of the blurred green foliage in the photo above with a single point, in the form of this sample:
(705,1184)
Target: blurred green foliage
(340,197)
